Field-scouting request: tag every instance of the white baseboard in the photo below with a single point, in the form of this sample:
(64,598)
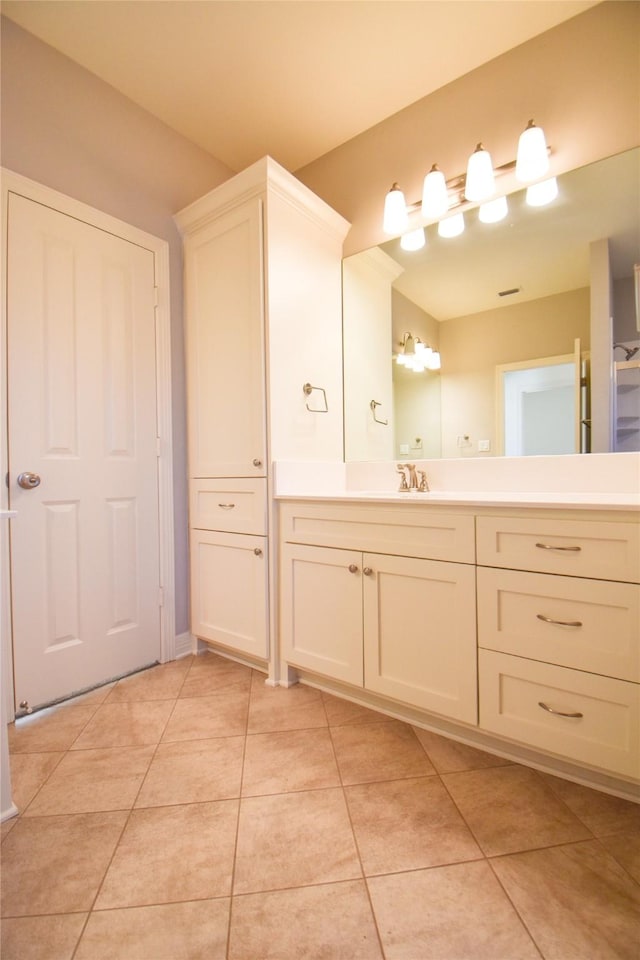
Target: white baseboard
(185,645)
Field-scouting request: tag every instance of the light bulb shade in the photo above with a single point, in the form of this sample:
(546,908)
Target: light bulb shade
(480,182)
(493,210)
(396,219)
(433,363)
(532,160)
(452,226)
(408,346)
(435,198)
(414,240)
(539,194)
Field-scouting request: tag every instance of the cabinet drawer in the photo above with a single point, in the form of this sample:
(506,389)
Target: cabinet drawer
(422,533)
(237,505)
(587,624)
(579,548)
(606,734)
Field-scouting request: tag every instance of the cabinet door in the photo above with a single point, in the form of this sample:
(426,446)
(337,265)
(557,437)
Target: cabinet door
(224,328)
(229,590)
(321,610)
(420,635)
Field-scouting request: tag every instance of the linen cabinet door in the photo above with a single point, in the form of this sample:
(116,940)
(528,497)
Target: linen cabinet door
(229,590)
(419,633)
(321,610)
(224,330)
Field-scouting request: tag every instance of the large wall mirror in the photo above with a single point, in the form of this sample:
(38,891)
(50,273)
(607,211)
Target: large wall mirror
(499,294)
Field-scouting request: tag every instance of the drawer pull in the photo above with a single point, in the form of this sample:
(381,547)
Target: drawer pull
(559,713)
(226,506)
(353,568)
(367,571)
(560,623)
(551,546)
(257,551)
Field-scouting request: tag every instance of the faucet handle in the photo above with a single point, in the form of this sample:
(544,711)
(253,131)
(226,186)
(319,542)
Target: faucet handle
(400,467)
(423,485)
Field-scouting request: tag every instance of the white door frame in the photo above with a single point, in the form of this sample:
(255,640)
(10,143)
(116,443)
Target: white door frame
(15,183)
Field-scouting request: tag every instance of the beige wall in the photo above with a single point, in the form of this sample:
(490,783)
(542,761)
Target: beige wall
(580,81)
(472,346)
(65,128)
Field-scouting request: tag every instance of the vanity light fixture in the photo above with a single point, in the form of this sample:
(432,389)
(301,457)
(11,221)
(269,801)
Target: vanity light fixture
(413,240)
(396,218)
(476,186)
(416,355)
(539,194)
(532,160)
(480,183)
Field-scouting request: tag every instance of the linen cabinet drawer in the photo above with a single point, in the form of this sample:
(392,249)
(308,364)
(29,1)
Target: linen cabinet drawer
(585,718)
(578,548)
(587,624)
(236,505)
(406,532)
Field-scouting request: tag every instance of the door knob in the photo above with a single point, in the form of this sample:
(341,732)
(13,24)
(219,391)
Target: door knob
(28,480)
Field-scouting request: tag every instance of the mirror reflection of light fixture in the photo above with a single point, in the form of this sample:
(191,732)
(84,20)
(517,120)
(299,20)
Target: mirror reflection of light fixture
(416,355)
(539,194)
(396,219)
(435,197)
(492,211)
(452,226)
(480,183)
(532,160)
(414,240)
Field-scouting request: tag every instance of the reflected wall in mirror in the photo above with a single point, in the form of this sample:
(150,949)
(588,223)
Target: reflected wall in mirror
(451,296)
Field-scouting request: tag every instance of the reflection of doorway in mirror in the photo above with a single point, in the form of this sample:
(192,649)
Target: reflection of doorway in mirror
(539,406)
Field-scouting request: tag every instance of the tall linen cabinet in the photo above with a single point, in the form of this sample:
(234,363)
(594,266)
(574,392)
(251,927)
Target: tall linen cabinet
(263,328)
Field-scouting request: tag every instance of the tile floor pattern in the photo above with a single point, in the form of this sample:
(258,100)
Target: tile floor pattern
(192,812)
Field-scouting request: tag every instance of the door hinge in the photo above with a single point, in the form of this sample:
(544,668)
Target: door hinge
(161,596)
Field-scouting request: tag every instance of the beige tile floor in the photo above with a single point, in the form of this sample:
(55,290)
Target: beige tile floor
(192,812)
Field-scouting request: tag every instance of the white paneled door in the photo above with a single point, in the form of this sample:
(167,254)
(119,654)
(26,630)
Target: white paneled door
(82,419)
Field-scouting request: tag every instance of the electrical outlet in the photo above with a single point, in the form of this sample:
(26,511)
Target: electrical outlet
(484,446)
(404,449)
(464,440)
(417,444)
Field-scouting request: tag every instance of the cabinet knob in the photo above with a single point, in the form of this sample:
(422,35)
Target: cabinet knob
(353,568)
(368,572)
(257,462)
(257,551)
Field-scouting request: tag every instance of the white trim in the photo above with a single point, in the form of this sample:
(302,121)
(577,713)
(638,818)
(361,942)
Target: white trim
(11,182)
(186,645)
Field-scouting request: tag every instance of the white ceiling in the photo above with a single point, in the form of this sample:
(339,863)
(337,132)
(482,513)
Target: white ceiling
(289,78)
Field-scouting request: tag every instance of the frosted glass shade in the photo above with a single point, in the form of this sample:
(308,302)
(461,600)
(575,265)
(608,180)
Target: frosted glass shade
(396,219)
(532,160)
(435,198)
(480,182)
(414,240)
(539,194)
(493,210)
(452,226)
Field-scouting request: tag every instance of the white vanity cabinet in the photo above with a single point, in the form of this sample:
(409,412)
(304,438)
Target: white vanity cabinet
(366,600)
(559,636)
(263,321)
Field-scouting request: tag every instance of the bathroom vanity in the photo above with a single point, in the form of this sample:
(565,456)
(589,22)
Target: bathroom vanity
(510,621)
